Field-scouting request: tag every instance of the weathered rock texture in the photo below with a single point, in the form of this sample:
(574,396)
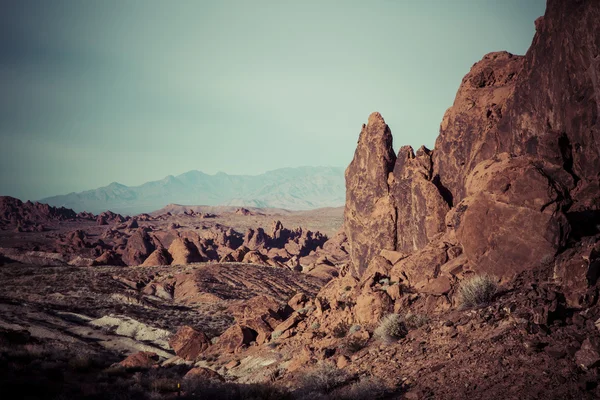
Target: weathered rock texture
(369,214)
(514,178)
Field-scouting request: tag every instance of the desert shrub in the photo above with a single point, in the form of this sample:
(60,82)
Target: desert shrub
(354,328)
(322,379)
(275,334)
(315,326)
(340,330)
(365,388)
(345,304)
(391,327)
(354,344)
(164,385)
(81,363)
(477,290)
(198,388)
(384,282)
(415,321)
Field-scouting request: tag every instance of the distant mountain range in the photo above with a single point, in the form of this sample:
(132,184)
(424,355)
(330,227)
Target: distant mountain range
(300,188)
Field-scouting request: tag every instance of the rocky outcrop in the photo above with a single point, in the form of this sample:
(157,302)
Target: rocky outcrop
(420,207)
(513,177)
(139,247)
(184,252)
(512,218)
(234,338)
(369,214)
(560,123)
(469,130)
(14,211)
(160,256)
(189,343)
(142,359)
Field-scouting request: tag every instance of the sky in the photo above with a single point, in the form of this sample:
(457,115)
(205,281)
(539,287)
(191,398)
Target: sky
(93,92)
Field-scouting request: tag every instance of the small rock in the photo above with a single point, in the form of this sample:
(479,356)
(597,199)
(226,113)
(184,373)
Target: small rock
(588,355)
(342,362)
(204,374)
(142,359)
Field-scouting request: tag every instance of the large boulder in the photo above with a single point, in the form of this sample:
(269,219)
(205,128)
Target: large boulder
(234,338)
(139,247)
(189,343)
(184,252)
(512,219)
(369,215)
(203,374)
(577,270)
(142,359)
(160,256)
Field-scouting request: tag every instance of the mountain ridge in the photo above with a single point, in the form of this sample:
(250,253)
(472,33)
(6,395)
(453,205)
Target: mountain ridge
(299,188)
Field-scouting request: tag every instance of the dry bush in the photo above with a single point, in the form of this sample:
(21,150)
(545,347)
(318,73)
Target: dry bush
(477,290)
(365,388)
(199,388)
(340,330)
(415,321)
(354,344)
(82,362)
(391,328)
(323,379)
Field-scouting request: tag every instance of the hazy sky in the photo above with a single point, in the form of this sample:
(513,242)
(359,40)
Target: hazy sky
(93,92)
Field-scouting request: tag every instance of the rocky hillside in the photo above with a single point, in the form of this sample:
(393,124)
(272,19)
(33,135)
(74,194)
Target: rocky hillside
(465,272)
(289,188)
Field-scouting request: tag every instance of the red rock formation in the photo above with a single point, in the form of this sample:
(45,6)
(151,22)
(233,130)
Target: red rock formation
(469,130)
(184,252)
(420,207)
(142,359)
(369,215)
(160,256)
(14,211)
(516,166)
(189,343)
(139,247)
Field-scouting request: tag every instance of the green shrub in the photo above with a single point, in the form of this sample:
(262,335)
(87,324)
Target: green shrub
(477,290)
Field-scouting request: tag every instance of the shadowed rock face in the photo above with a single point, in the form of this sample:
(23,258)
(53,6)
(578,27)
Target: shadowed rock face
(560,123)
